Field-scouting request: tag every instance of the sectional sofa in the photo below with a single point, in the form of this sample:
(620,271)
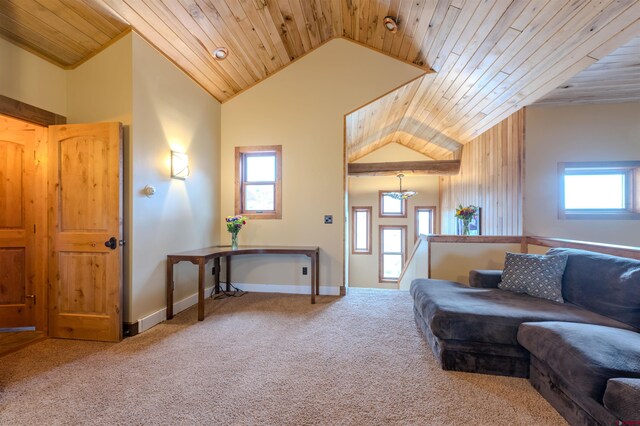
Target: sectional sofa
(581,354)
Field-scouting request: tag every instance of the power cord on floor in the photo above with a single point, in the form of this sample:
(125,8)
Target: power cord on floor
(236,292)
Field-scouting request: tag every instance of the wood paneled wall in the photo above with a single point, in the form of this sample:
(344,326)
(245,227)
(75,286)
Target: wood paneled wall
(491,177)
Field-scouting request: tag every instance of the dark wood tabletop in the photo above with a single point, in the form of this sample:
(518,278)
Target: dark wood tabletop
(227,250)
(201,256)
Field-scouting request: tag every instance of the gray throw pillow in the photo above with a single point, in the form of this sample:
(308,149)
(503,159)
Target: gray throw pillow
(537,275)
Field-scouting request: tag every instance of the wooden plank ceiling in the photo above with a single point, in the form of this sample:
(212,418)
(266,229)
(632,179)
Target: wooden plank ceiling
(493,59)
(490,57)
(614,78)
(65,32)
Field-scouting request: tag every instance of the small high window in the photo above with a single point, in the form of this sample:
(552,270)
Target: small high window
(425,221)
(599,190)
(392,207)
(361,233)
(258,182)
(393,242)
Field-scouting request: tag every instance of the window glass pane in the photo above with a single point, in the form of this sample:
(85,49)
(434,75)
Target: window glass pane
(392,241)
(424,222)
(391,205)
(261,168)
(259,197)
(392,265)
(597,191)
(362,230)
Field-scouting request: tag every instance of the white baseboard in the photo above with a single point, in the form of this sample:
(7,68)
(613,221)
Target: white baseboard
(157,317)
(291,289)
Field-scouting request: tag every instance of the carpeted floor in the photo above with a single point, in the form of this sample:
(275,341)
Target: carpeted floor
(263,359)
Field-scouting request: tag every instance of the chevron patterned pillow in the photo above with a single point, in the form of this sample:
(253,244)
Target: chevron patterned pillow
(537,275)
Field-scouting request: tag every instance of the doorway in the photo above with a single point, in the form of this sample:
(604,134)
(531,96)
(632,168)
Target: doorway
(383,231)
(23,224)
(60,226)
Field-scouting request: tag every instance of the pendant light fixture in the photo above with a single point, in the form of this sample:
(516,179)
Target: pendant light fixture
(401,195)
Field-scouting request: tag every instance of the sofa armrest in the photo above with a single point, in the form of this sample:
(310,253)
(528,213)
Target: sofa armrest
(621,398)
(484,278)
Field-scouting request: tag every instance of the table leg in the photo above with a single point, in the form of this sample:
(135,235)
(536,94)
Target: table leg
(228,273)
(201,265)
(314,273)
(216,284)
(169,289)
(318,272)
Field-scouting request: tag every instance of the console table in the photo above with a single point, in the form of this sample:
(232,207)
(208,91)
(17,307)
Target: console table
(201,256)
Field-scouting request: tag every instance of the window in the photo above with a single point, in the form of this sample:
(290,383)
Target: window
(425,221)
(361,231)
(599,190)
(258,182)
(390,207)
(392,252)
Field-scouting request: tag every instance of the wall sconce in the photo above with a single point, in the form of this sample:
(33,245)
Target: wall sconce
(179,165)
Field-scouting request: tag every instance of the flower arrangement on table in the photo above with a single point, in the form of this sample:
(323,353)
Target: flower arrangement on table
(234,225)
(466,215)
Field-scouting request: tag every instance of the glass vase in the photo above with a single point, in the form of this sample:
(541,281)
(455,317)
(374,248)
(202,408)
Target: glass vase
(465,227)
(234,241)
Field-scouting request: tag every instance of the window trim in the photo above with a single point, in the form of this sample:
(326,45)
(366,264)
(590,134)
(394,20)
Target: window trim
(354,210)
(432,225)
(381,214)
(381,277)
(240,152)
(632,190)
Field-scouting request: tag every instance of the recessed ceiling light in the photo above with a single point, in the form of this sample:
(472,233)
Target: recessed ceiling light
(220,53)
(390,23)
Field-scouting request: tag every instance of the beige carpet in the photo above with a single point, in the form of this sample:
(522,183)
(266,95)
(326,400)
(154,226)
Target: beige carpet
(263,359)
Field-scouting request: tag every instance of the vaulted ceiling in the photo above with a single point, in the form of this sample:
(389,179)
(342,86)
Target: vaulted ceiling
(614,78)
(489,57)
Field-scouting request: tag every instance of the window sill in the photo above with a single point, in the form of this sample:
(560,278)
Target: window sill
(258,216)
(599,216)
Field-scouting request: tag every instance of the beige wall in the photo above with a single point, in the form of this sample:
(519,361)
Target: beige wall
(160,108)
(576,133)
(101,88)
(363,191)
(417,266)
(170,112)
(29,79)
(302,108)
(453,261)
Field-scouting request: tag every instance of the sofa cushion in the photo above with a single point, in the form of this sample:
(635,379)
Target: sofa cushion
(537,275)
(456,312)
(584,355)
(608,285)
(622,398)
(485,278)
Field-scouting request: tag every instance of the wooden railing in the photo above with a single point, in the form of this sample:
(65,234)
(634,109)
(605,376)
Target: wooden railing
(612,249)
(523,241)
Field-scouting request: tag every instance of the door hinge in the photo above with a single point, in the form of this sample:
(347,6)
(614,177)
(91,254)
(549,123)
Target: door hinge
(34,228)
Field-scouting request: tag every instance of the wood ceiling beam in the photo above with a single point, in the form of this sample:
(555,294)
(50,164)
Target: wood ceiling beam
(445,167)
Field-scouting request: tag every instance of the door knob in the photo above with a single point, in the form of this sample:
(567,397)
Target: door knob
(112,243)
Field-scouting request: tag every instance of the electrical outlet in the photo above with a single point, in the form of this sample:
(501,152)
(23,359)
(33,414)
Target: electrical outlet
(304,270)
(213,270)
(328,219)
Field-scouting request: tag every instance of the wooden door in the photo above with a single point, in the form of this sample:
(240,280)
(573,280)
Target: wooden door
(85,184)
(22,223)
